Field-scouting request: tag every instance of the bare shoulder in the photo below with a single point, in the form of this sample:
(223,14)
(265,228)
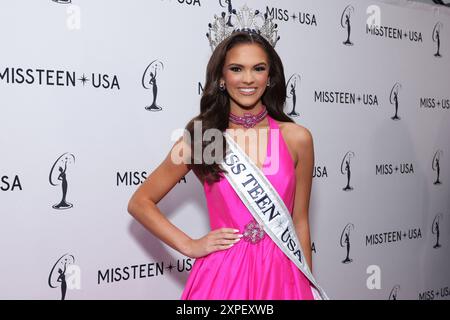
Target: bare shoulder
(297,137)
(296,132)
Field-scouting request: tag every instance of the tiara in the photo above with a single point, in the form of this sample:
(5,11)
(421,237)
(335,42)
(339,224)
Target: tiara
(246,20)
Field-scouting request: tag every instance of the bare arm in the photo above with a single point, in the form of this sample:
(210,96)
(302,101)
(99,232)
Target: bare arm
(142,205)
(304,150)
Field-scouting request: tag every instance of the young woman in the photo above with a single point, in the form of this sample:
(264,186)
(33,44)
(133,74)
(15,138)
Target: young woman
(244,75)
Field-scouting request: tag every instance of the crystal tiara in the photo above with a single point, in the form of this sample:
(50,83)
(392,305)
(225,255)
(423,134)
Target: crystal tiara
(247,20)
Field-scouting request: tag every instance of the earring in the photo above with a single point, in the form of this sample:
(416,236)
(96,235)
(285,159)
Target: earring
(222,86)
(268,82)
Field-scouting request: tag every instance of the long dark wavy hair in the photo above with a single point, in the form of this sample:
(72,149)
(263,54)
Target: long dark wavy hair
(215,104)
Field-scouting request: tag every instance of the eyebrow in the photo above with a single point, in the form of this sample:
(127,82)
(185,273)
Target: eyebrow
(240,65)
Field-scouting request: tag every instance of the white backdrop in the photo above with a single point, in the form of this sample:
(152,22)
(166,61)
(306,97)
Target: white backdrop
(73,92)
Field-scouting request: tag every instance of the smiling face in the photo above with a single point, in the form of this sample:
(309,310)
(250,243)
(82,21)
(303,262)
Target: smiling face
(245,75)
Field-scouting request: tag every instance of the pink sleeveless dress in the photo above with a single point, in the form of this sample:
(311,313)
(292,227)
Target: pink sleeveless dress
(247,271)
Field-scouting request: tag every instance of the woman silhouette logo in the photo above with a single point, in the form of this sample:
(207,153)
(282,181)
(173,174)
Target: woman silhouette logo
(61,175)
(229,5)
(345,241)
(394,293)
(436,166)
(149,82)
(291,88)
(393,99)
(345,23)
(345,169)
(437,38)
(58,279)
(435,229)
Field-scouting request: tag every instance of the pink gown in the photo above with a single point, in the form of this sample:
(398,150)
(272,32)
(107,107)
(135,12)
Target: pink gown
(247,271)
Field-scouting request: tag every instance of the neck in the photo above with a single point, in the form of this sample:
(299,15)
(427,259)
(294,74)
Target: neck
(239,111)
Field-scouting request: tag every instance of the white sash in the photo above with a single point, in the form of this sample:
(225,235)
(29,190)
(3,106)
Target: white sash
(267,207)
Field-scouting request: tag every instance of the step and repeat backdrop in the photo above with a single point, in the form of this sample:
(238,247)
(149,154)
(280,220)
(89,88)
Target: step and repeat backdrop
(93,95)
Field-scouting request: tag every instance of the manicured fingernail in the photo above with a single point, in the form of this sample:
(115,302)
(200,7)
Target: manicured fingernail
(240,235)
(236,230)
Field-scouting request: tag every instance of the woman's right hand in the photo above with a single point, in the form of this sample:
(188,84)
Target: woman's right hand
(218,239)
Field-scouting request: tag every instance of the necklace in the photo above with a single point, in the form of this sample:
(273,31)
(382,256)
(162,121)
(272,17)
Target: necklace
(248,120)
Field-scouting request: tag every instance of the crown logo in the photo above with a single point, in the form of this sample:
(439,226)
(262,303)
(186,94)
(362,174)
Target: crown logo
(246,20)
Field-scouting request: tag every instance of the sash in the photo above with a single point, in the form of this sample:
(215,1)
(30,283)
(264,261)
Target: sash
(267,207)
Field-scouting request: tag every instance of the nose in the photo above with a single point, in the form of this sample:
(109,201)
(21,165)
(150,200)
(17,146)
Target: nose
(248,77)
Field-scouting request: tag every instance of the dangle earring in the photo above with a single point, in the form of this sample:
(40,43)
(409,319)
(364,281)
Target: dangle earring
(268,82)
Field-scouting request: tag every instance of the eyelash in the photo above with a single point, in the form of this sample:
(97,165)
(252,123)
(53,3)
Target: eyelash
(237,69)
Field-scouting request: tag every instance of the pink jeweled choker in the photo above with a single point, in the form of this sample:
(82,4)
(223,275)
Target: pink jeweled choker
(248,120)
